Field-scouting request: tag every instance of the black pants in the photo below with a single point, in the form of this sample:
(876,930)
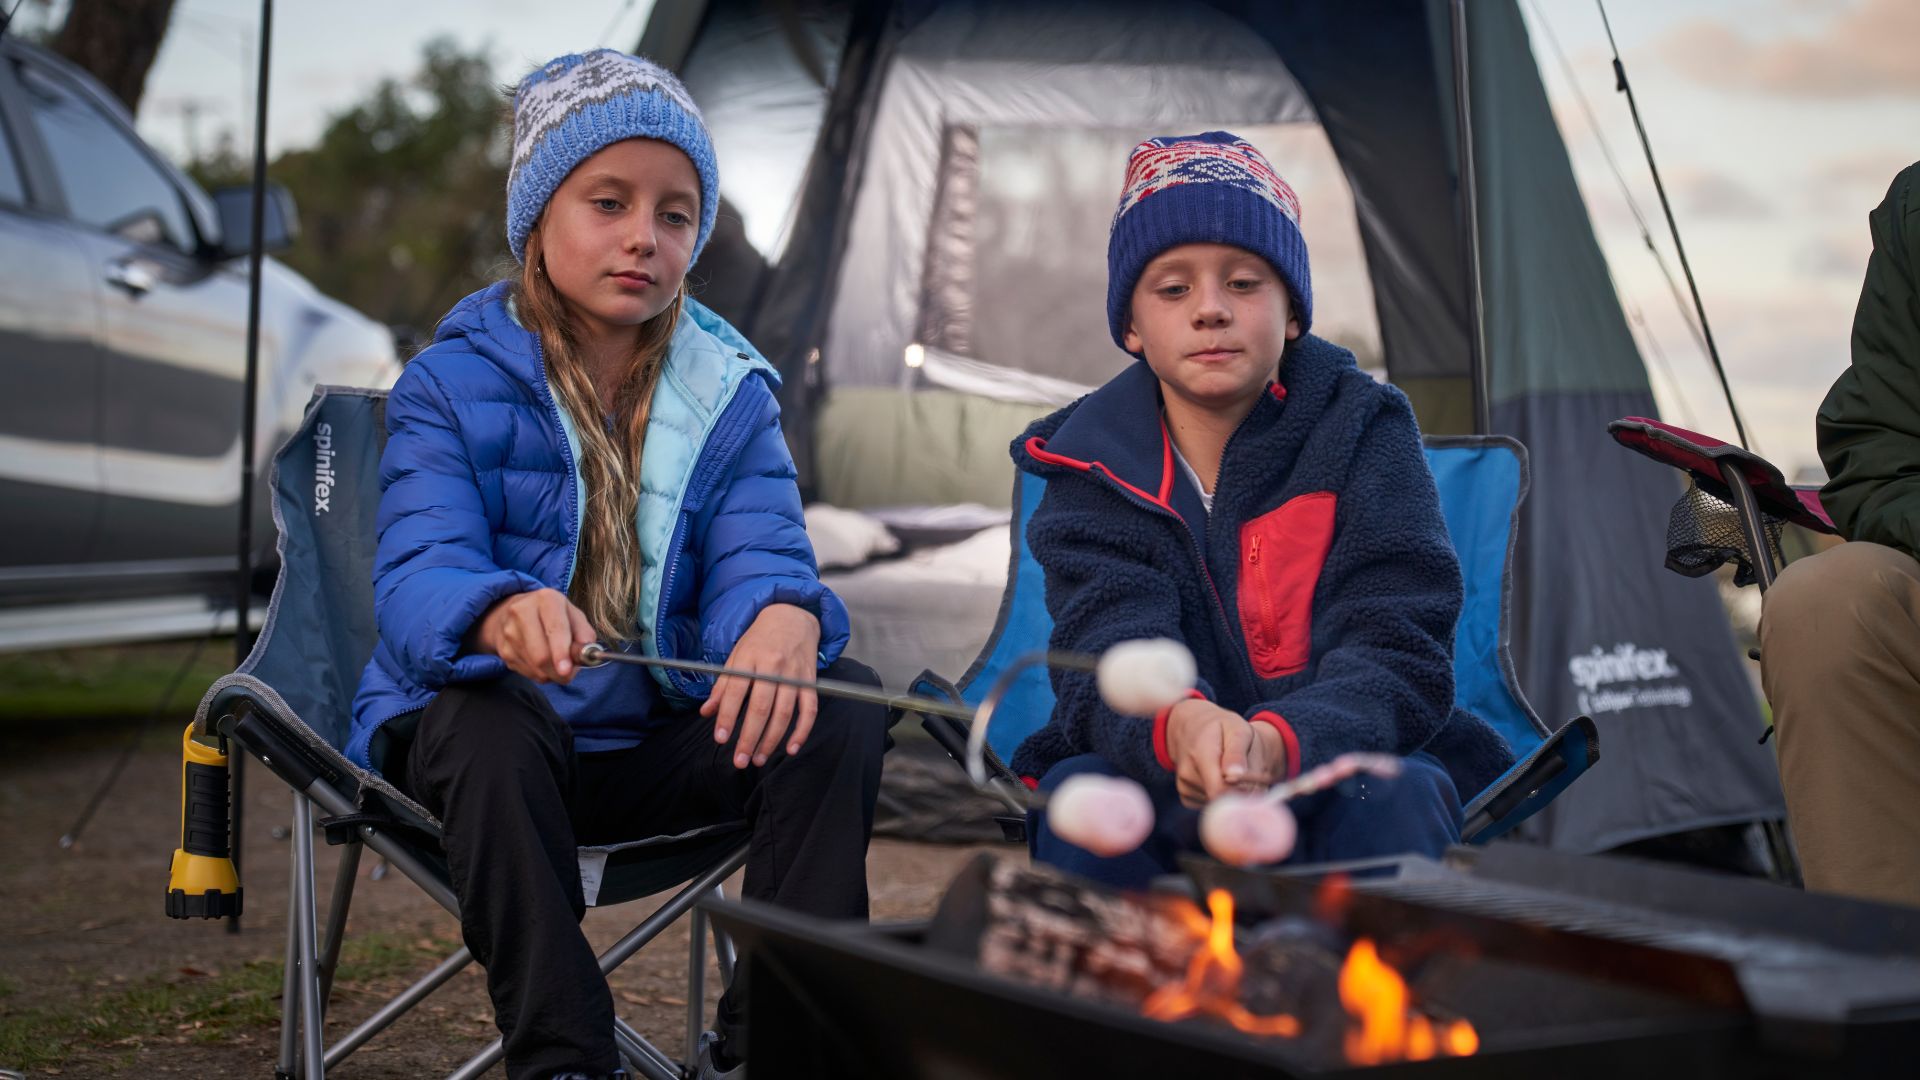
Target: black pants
(496,765)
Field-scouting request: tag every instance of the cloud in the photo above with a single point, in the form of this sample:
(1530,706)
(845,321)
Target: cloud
(1866,50)
(1786,338)
(1861,177)
(1835,256)
(1715,196)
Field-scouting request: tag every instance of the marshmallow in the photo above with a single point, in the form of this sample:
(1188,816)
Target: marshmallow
(1248,830)
(1141,677)
(1107,815)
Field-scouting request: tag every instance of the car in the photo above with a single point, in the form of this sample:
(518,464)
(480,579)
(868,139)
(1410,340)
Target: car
(123,343)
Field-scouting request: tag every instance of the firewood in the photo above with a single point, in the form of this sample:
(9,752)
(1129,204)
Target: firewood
(1065,935)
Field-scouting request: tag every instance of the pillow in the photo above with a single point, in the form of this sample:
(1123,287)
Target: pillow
(846,538)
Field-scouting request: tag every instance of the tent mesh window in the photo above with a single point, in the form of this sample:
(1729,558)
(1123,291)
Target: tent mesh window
(1704,533)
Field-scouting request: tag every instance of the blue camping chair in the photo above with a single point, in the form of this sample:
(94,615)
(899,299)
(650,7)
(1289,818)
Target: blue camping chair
(289,705)
(1482,480)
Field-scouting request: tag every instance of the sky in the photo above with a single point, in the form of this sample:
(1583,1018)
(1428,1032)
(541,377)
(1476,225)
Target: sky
(1777,125)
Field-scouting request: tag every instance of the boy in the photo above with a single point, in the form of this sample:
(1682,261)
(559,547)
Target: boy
(1251,492)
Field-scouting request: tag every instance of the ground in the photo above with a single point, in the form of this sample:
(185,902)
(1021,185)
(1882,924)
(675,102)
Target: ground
(95,981)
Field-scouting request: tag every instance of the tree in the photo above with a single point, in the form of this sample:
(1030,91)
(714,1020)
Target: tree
(116,41)
(402,201)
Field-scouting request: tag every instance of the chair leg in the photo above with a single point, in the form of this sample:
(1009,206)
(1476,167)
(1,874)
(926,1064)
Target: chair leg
(630,1056)
(311,1045)
(398,1007)
(623,949)
(1781,852)
(671,910)
(480,1063)
(337,907)
(723,953)
(655,1065)
(289,982)
(642,1055)
(696,981)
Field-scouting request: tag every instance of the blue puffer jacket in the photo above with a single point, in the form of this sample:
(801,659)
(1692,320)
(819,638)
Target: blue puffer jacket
(482,498)
(1319,595)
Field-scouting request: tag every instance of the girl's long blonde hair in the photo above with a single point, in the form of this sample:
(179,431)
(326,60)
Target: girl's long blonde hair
(606,576)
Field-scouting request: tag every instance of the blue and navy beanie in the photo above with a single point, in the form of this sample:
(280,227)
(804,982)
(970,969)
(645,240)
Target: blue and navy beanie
(574,106)
(1212,188)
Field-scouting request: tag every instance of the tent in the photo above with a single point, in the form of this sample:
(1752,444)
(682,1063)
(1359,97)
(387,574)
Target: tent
(905,236)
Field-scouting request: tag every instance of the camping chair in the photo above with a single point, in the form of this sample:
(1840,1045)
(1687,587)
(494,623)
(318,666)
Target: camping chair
(1733,511)
(289,706)
(1482,480)
(1734,507)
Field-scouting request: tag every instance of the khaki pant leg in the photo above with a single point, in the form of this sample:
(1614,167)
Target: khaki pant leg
(1840,648)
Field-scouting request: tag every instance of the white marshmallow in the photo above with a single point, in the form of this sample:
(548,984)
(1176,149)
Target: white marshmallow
(1141,677)
(1248,830)
(1107,815)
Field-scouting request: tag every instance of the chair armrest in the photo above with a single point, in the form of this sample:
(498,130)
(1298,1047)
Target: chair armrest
(1533,782)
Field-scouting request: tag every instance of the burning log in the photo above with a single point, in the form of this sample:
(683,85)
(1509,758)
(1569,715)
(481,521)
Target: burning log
(1296,979)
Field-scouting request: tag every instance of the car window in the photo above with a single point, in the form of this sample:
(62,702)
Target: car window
(10,189)
(109,181)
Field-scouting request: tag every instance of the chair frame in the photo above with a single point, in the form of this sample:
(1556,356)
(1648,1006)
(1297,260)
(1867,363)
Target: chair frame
(1752,485)
(312,956)
(245,712)
(1755,488)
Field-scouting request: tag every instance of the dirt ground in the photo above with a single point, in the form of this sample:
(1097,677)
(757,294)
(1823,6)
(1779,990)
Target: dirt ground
(95,981)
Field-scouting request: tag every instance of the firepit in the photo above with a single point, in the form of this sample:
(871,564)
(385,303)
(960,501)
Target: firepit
(1494,961)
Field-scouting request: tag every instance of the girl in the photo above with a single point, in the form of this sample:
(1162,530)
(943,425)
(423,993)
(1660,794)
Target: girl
(586,453)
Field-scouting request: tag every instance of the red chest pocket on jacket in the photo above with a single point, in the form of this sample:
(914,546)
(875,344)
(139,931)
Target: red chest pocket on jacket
(1281,555)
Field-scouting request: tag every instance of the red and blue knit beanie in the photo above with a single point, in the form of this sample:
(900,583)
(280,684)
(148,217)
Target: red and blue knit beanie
(1199,189)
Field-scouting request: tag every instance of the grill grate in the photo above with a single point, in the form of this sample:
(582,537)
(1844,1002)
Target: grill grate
(1594,918)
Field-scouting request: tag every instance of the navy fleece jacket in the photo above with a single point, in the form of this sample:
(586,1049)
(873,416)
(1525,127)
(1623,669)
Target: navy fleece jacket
(1319,596)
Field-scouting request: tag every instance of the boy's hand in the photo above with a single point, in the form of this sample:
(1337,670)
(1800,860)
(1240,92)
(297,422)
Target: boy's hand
(1215,751)
(538,633)
(783,640)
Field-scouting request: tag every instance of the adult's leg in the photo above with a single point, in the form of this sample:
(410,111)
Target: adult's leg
(1840,662)
(495,764)
(1176,829)
(1415,813)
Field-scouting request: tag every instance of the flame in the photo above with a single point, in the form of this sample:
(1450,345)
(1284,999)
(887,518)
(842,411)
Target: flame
(1212,986)
(1385,1027)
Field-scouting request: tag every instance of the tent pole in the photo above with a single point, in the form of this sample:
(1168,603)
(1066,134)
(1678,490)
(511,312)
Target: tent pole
(1470,204)
(249,420)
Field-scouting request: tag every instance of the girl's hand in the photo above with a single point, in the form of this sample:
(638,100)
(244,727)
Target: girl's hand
(1216,750)
(783,640)
(537,633)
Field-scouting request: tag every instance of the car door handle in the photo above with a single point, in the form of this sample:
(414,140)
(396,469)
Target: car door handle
(132,276)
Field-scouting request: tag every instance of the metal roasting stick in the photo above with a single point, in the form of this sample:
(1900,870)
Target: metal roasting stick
(1015,797)
(1385,766)
(1341,768)
(596,654)
(977,731)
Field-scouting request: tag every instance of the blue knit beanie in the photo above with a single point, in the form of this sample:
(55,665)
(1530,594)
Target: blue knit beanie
(574,106)
(1211,188)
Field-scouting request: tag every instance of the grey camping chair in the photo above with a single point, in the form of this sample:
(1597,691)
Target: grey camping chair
(289,706)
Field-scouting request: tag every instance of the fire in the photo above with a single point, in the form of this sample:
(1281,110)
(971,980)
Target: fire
(1386,1029)
(1212,986)
(1385,1026)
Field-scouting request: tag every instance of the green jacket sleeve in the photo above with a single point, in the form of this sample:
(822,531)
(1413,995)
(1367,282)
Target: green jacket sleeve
(1869,425)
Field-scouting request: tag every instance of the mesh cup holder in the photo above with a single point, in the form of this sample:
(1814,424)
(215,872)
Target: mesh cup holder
(1704,533)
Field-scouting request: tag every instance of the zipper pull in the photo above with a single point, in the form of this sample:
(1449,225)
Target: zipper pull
(1253,556)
